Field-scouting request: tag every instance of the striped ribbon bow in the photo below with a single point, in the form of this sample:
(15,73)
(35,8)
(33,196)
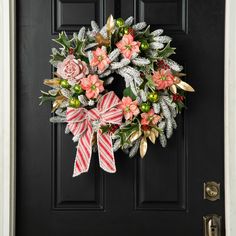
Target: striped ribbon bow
(84,123)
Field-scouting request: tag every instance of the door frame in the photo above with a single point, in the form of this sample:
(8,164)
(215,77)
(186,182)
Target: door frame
(7,118)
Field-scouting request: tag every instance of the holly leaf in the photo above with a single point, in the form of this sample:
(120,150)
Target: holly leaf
(45,97)
(166,51)
(63,40)
(128,93)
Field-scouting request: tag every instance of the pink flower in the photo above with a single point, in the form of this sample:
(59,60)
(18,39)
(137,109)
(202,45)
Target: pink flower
(71,69)
(163,78)
(100,59)
(128,46)
(149,118)
(93,86)
(129,107)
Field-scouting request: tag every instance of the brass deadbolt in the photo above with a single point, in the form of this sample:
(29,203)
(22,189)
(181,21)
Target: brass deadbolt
(211,191)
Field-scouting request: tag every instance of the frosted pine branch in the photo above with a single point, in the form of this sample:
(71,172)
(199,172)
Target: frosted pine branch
(140,61)
(114,54)
(173,65)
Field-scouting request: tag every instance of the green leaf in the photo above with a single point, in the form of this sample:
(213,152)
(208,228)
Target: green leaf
(166,51)
(128,93)
(105,128)
(46,97)
(63,40)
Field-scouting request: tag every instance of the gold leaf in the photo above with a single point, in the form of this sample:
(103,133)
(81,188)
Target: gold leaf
(101,40)
(135,135)
(185,86)
(155,132)
(52,82)
(173,89)
(152,137)
(180,74)
(146,133)
(110,25)
(57,102)
(143,147)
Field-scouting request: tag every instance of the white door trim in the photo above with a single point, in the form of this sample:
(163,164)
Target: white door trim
(230,117)
(7,117)
(7,120)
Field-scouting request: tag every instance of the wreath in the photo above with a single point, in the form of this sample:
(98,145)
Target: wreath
(100,121)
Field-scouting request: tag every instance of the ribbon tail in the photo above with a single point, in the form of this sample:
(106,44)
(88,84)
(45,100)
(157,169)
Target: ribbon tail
(105,152)
(84,152)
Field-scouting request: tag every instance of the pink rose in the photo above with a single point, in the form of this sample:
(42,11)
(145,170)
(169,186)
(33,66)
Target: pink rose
(129,107)
(71,69)
(93,86)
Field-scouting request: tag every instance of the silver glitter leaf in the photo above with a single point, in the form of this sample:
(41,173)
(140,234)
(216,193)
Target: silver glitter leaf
(156,45)
(157,32)
(83,100)
(129,21)
(81,34)
(94,26)
(139,26)
(57,119)
(162,39)
(66,93)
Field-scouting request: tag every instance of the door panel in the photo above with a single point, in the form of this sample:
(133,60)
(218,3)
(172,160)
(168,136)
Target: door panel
(162,194)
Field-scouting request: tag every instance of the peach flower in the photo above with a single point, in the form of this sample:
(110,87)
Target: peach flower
(128,46)
(100,59)
(129,107)
(163,78)
(149,118)
(71,69)
(93,86)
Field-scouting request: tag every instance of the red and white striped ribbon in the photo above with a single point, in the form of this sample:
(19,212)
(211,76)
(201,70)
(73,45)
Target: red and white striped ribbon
(83,123)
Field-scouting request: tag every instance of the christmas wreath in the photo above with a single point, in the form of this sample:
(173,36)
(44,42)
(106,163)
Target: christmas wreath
(100,121)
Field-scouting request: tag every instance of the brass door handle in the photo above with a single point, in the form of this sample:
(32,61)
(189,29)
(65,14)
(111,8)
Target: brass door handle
(212,225)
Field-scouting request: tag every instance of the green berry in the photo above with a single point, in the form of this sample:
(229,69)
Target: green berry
(77,88)
(144,45)
(120,22)
(126,30)
(64,83)
(153,97)
(74,102)
(145,107)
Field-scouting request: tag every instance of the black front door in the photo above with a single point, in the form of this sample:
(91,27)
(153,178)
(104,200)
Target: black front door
(160,195)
